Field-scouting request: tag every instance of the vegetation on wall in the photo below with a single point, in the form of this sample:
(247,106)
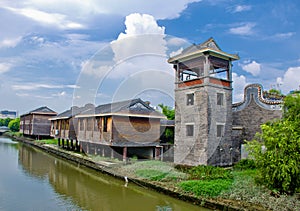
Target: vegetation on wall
(276,149)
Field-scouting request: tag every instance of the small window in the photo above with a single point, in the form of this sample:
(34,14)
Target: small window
(189,130)
(220,130)
(190,99)
(220,98)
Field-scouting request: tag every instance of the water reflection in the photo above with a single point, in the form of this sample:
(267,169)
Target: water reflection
(88,189)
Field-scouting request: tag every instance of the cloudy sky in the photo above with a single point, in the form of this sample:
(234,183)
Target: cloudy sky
(71,52)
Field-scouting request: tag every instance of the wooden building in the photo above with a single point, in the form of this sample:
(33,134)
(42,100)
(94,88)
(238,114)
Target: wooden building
(64,126)
(36,123)
(121,130)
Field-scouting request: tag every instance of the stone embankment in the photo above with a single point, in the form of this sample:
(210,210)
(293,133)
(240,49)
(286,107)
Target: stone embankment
(111,169)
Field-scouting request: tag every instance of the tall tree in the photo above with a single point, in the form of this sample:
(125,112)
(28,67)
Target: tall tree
(279,163)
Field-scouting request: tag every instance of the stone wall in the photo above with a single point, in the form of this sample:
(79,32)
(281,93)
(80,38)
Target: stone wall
(250,114)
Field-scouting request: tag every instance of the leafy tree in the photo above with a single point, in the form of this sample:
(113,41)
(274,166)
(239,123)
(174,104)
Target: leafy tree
(167,111)
(14,125)
(168,134)
(4,122)
(279,163)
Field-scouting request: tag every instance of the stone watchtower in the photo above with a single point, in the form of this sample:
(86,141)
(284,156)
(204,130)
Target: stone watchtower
(203,105)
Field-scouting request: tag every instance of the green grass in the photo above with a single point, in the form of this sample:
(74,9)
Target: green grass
(47,141)
(14,134)
(206,188)
(155,171)
(151,174)
(209,173)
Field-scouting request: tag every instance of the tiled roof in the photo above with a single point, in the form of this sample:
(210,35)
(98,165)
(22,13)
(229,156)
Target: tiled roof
(208,46)
(41,110)
(135,106)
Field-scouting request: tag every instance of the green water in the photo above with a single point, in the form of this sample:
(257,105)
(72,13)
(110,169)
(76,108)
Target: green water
(34,180)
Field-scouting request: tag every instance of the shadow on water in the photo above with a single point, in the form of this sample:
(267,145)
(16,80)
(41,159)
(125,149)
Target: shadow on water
(92,190)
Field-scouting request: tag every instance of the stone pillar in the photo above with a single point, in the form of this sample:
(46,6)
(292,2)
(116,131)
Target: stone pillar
(111,153)
(125,154)
(103,151)
(88,148)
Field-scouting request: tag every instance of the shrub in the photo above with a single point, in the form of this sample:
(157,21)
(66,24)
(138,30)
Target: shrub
(209,173)
(245,164)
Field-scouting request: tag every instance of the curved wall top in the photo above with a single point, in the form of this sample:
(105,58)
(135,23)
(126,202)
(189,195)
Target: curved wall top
(255,92)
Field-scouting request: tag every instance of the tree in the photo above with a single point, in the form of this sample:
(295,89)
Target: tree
(168,134)
(4,122)
(167,111)
(279,163)
(14,125)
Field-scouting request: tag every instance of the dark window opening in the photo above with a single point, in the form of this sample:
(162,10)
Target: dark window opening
(220,99)
(190,130)
(220,129)
(105,124)
(190,99)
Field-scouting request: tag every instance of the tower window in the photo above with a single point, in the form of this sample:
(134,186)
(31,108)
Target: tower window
(220,98)
(189,130)
(190,99)
(220,130)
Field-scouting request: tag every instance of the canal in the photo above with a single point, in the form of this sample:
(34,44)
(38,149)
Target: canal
(31,179)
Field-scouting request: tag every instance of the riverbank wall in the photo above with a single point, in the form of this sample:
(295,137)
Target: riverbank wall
(104,167)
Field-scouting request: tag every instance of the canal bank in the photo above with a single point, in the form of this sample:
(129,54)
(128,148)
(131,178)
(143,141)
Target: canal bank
(111,169)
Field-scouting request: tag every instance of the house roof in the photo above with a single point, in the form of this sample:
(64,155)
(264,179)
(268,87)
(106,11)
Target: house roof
(135,107)
(73,111)
(42,110)
(209,46)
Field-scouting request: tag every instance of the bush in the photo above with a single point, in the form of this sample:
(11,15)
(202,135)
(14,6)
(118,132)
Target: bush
(209,173)
(245,164)
(210,188)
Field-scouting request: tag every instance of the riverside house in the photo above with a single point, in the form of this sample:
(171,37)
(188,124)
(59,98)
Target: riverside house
(64,126)
(36,123)
(121,130)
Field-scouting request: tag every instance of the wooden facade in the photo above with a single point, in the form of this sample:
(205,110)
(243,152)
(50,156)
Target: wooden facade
(121,130)
(64,126)
(36,122)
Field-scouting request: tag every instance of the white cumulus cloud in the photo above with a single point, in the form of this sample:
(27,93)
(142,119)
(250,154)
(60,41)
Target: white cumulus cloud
(243,29)
(10,42)
(290,80)
(239,84)
(4,67)
(254,68)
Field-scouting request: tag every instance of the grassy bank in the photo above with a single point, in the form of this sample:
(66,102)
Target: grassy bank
(235,187)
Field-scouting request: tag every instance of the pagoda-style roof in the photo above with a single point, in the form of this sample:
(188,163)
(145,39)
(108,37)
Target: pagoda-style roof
(207,47)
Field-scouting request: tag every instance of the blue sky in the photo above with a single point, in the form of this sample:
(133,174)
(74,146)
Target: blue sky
(61,53)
